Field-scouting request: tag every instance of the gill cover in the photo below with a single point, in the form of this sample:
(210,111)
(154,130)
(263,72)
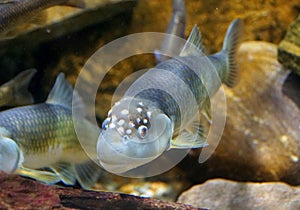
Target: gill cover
(119,156)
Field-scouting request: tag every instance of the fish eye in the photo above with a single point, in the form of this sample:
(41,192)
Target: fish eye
(105,123)
(142,131)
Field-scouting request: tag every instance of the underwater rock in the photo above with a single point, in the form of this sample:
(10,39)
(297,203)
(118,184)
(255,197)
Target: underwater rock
(20,193)
(289,48)
(263,123)
(225,194)
(261,140)
(262,133)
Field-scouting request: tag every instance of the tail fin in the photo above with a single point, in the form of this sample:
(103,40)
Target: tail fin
(230,47)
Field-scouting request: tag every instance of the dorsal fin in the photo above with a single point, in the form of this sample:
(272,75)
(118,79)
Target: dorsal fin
(193,44)
(20,83)
(62,94)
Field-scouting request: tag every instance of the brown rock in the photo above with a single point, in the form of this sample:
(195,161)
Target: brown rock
(21,193)
(262,133)
(224,194)
(289,48)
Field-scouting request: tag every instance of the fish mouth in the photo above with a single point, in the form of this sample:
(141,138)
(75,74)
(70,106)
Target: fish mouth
(114,159)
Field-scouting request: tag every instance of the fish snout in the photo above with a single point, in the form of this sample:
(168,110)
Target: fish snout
(118,158)
(10,155)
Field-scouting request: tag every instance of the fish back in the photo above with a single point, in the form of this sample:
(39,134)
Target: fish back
(171,86)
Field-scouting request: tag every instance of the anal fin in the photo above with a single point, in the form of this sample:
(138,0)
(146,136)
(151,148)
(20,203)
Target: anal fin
(189,140)
(66,172)
(194,135)
(87,173)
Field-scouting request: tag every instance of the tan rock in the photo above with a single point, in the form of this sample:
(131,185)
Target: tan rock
(223,194)
(262,133)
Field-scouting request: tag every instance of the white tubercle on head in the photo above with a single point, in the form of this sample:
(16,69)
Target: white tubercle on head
(132,135)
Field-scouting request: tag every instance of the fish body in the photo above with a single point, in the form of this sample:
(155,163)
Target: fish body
(159,110)
(15,92)
(44,137)
(44,133)
(15,12)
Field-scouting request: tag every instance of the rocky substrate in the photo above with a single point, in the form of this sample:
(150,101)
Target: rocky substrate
(21,193)
(224,194)
(261,137)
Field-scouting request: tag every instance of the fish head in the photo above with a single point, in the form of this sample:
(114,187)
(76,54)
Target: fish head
(133,134)
(10,155)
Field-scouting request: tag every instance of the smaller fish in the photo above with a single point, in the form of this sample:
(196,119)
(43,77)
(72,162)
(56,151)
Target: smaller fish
(13,13)
(176,27)
(15,92)
(42,136)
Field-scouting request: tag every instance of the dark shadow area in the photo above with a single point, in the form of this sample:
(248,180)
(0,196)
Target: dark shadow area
(291,88)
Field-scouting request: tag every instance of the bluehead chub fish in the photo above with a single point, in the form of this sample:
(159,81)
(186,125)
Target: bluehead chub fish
(39,141)
(15,12)
(143,125)
(15,92)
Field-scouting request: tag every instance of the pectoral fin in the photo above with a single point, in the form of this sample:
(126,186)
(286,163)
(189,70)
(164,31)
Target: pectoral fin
(193,136)
(206,112)
(87,173)
(43,176)
(188,140)
(66,172)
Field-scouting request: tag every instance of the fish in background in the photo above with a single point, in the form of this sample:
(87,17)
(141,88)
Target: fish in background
(42,136)
(175,27)
(143,125)
(15,92)
(15,13)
